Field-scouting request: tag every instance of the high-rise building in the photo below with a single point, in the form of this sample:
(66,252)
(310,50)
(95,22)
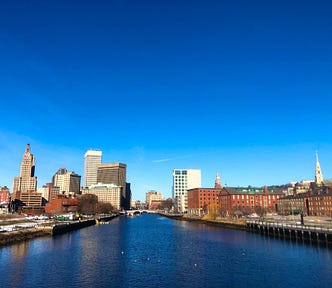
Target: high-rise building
(127,202)
(114,173)
(318,172)
(68,182)
(26,182)
(92,159)
(184,179)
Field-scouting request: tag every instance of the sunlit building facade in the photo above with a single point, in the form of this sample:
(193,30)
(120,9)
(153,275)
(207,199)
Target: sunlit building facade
(107,193)
(92,159)
(184,179)
(69,183)
(115,173)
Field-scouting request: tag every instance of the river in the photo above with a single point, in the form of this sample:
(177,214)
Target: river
(153,251)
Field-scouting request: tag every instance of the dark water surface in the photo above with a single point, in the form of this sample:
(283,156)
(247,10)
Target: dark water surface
(152,251)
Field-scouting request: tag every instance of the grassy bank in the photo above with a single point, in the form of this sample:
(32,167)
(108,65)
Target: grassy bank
(221,222)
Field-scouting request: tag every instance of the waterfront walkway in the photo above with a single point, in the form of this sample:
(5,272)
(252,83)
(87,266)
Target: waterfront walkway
(318,230)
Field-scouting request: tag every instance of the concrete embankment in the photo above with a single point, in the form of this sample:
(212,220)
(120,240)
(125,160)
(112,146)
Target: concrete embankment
(71,226)
(7,238)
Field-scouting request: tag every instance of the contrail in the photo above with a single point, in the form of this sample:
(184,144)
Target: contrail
(171,159)
(163,160)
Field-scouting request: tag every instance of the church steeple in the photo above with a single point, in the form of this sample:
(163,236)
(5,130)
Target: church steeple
(318,172)
(217,184)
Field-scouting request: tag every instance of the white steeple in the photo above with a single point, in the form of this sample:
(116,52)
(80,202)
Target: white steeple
(217,184)
(318,172)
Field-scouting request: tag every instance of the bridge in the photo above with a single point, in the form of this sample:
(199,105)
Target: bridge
(138,212)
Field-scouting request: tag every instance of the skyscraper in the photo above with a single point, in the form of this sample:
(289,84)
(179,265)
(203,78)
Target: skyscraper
(318,172)
(184,179)
(92,159)
(114,173)
(26,182)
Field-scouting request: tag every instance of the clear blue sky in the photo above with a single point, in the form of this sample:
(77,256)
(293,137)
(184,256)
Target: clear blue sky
(238,87)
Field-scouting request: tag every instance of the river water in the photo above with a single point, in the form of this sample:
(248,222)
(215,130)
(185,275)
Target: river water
(153,251)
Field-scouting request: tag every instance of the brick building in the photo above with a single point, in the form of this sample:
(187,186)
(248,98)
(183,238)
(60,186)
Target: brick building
(250,200)
(231,201)
(61,204)
(163,204)
(4,194)
(200,199)
(317,202)
(152,196)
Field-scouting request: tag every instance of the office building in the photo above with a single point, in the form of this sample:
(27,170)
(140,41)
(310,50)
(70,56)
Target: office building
(127,201)
(31,199)
(152,196)
(106,193)
(92,159)
(114,173)
(44,192)
(184,179)
(68,182)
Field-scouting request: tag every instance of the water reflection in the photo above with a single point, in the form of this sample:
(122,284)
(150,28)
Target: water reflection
(151,251)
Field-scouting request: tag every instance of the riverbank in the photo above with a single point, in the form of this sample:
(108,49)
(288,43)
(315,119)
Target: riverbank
(8,238)
(223,223)
(316,230)
(48,229)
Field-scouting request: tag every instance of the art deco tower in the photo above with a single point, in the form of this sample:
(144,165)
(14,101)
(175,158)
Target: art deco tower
(26,182)
(318,174)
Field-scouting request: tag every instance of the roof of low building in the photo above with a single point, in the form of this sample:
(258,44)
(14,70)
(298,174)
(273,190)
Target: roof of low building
(102,185)
(252,190)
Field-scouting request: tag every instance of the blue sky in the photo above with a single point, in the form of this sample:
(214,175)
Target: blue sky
(238,87)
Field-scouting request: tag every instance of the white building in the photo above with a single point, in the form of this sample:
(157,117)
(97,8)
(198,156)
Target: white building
(107,193)
(184,179)
(92,159)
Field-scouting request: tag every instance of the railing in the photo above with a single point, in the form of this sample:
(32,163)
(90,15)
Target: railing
(312,228)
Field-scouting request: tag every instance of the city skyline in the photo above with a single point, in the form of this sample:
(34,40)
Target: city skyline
(238,88)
